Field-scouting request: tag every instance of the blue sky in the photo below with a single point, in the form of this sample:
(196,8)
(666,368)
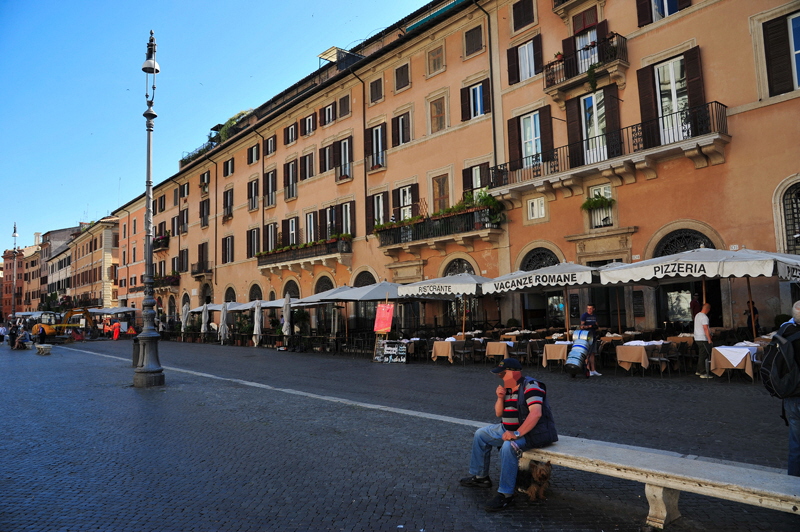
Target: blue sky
(74,140)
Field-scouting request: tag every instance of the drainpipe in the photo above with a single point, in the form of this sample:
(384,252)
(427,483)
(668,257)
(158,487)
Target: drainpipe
(364,132)
(216,211)
(127,288)
(491,80)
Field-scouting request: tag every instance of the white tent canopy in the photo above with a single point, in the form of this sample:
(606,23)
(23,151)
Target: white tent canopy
(557,276)
(452,285)
(706,263)
(319,299)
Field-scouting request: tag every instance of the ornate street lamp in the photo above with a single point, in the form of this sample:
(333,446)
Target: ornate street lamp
(14,278)
(148,368)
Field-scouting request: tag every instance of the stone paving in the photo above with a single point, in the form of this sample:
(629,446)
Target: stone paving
(227,444)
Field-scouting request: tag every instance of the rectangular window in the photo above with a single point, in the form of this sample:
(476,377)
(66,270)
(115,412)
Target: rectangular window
(664,8)
(253,242)
(293,240)
(602,217)
(325,159)
(344,106)
(183,190)
(437,115)
(227,249)
(134,226)
(593,120)
(227,167)
(269,145)
(311,226)
(345,158)
(162,202)
(406,203)
(290,134)
(270,236)
(377,155)
(673,100)
(227,203)
(307,166)
(328,114)
(308,124)
(378,209)
(535,208)
(252,194)
(124,230)
(290,180)
(401,77)
(205,207)
(253,154)
(270,188)
(436,60)
(441,195)
(523,14)
(476,100)
(527,69)
(183,217)
(401,129)
(183,260)
(347,221)
(782,53)
(531,139)
(473,41)
(794,48)
(376,90)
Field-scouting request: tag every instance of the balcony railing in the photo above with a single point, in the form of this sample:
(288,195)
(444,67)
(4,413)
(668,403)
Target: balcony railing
(290,191)
(587,58)
(269,199)
(252,203)
(344,172)
(201,267)
(376,161)
(167,280)
(668,129)
(435,228)
(305,252)
(160,243)
(204,221)
(227,212)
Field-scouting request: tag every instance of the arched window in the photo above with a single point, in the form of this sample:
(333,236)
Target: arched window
(230,295)
(171,310)
(323,285)
(255,293)
(272,295)
(184,300)
(682,240)
(458,266)
(364,279)
(292,290)
(791,216)
(538,258)
(206,294)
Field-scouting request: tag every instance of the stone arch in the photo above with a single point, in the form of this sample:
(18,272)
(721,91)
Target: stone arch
(783,232)
(451,257)
(693,225)
(206,294)
(230,295)
(292,287)
(185,300)
(255,293)
(538,244)
(172,309)
(272,295)
(324,283)
(362,273)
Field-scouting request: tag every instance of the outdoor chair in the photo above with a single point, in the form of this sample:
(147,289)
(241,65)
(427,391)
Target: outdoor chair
(479,350)
(536,351)
(658,357)
(520,351)
(462,350)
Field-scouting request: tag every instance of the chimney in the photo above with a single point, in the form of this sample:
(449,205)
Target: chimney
(37,238)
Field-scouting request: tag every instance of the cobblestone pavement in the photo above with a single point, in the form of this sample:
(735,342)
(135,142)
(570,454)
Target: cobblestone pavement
(229,445)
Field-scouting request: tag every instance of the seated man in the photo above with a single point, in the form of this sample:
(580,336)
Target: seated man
(526,423)
(23,337)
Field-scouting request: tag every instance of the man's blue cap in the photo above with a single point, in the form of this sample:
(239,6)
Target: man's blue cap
(510,364)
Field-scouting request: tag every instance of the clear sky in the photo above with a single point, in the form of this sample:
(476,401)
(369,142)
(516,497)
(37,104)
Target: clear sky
(73,140)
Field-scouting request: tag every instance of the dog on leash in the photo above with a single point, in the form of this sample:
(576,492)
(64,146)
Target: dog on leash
(534,480)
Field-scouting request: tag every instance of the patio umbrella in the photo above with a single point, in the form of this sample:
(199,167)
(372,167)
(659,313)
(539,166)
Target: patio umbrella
(223,324)
(257,324)
(461,284)
(184,317)
(204,325)
(317,299)
(287,315)
(373,292)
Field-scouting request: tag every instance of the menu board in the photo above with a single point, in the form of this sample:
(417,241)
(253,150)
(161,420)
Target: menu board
(390,351)
(638,304)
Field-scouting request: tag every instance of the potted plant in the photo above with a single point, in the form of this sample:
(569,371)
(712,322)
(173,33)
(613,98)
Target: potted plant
(597,202)
(559,56)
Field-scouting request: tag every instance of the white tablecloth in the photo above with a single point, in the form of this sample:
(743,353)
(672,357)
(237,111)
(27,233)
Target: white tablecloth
(736,354)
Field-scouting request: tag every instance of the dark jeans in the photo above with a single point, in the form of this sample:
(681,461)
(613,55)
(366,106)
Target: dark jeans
(791,406)
(704,353)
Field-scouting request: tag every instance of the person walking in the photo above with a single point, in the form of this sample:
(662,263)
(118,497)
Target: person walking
(702,338)
(519,429)
(589,322)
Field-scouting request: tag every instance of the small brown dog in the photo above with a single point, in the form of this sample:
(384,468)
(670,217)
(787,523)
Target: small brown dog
(535,480)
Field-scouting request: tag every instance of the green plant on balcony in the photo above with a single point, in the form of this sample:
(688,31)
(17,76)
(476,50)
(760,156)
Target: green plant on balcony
(592,75)
(597,202)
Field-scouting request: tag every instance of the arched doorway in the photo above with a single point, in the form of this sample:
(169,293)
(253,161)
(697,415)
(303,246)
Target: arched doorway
(172,312)
(255,293)
(542,309)
(206,294)
(454,310)
(292,290)
(365,310)
(230,295)
(324,313)
(673,298)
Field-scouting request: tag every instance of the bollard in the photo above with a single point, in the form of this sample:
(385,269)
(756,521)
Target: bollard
(135,362)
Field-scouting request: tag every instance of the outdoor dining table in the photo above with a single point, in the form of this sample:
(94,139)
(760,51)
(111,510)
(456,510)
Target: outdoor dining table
(497,349)
(555,352)
(445,349)
(636,354)
(508,337)
(681,339)
(732,357)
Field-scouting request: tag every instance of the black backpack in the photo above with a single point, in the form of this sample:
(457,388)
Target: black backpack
(780,372)
(544,433)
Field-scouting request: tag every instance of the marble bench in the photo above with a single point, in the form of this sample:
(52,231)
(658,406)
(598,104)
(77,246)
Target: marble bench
(43,349)
(665,474)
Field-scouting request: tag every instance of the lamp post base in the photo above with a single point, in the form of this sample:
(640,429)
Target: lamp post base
(148,380)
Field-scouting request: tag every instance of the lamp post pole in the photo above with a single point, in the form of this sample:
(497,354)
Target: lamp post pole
(148,368)
(14,278)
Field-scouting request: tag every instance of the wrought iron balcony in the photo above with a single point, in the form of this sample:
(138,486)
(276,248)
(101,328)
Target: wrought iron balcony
(167,280)
(305,256)
(376,161)
(227,212)
(202,268)
(344,172)
(269,199)
(589,60)
(161,243)
(252,203)
(699,133)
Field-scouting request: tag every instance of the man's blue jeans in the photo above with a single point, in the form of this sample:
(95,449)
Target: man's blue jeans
(484,441)
(792,407)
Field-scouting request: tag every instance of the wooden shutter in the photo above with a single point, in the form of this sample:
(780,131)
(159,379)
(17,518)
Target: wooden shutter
(574,132)
(602,30)
(644,12)
(175,198)
(303,127)
(777,52)
(323,161)
(352,218)
(383,135)
(513,65)
(613,133)
(396,204)
(570,59)
(336,148)
(338,213)
(313,122)
(648,106)
(407,127)
(538,61)
(368,142)
(487,96)
(514,145)
(224,250)
(415,199)
(583,20)
(694,77)
(683,4)
(523,13)
(385,196)
(285,174)
(466,112)
(466,179)
(333,110)
(344,106)
(249,243)
(395,131)
(484,173)
(284,233)
(286,135)
(322,117)
(546,133)
(322,226)
(350,149)
(302,168)
(370,213)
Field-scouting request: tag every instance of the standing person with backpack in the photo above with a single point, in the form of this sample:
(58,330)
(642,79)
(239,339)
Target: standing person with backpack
(527,423)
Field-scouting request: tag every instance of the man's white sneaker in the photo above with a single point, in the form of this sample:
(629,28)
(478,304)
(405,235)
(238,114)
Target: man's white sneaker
(595,374)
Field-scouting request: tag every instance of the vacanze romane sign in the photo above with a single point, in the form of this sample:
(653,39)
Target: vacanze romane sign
(535,280)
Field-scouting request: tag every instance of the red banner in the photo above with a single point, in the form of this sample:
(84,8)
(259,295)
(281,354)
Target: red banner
(383,318)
